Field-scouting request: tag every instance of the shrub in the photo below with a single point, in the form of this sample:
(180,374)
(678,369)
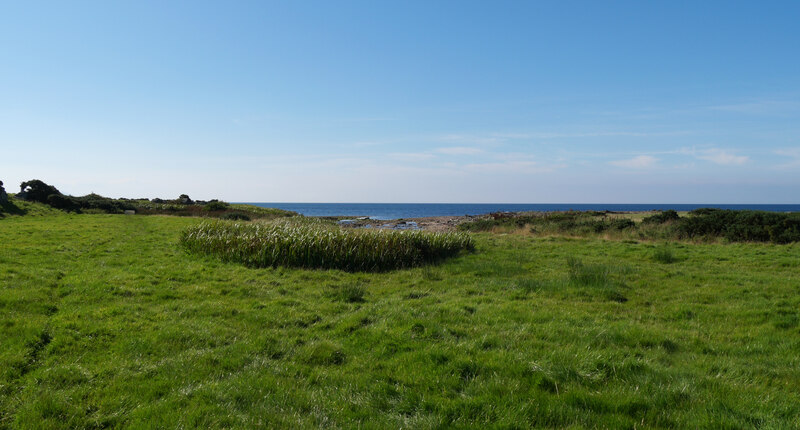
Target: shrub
(216,205)
(663,217)
(622,223)
(315,245)
(742,226)
(36,191)
(235,216)
(67,203)
(105,204)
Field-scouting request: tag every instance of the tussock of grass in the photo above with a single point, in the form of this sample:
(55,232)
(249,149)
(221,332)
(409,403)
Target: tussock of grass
(664,254)
(351,293)
(588,275)
(318,245)
(598,276)
(322,353)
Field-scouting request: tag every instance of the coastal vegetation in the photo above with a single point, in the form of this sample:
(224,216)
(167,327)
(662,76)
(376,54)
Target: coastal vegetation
(706,224)
(107,321)
(316,244)
(41,192)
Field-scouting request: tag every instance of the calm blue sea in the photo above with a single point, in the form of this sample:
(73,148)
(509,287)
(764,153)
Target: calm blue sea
(386,211)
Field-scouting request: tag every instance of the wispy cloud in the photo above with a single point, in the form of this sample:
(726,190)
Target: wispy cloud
(512,167)
(589,134)
(715,155)
(791,157)
(721,156)
(459,150)
(759,107)
(638,162)
(500,137)
(479,139)
(412,156)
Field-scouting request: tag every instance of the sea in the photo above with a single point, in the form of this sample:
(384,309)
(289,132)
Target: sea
(389,211)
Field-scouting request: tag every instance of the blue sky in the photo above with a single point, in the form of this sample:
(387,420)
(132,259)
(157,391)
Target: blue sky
(419,101)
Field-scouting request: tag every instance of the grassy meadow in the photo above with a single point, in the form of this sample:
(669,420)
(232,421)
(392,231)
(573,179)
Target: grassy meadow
(106,321)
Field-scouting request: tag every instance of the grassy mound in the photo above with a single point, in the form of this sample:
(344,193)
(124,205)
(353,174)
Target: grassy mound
(318,245)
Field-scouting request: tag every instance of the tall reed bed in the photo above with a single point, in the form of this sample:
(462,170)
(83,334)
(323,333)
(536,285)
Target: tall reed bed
(317,245)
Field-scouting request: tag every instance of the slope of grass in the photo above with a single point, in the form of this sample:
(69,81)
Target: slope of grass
(106,322)
(15,207)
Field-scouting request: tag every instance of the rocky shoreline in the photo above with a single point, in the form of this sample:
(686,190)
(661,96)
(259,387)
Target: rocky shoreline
(437,223)
(434,223)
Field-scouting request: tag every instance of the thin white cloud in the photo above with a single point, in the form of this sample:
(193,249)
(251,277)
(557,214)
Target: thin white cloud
(512,167)
(716,156)
(469,138)
(760,107)
(790,155)
(412,156)
(459,150)
(638,162)
(720,156)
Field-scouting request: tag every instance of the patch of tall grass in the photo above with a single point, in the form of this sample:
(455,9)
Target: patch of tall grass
(664,254)
(312,244)
(597,276)
(588,275)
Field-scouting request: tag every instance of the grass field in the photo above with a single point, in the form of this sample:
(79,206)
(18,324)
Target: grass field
(106,322)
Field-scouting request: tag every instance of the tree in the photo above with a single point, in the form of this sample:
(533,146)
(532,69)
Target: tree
(36,191)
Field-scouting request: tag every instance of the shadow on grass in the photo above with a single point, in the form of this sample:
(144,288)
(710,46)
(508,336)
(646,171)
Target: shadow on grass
(10,208)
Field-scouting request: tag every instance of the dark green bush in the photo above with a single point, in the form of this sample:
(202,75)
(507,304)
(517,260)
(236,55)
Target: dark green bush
(216,205)
(663,217)
(67,203)
(235,216)
(106,204)
(36,191)
(622,223)
(741,226)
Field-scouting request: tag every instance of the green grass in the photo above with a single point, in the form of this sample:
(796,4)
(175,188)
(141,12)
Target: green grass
(105,321)
(664,254)
(309,243)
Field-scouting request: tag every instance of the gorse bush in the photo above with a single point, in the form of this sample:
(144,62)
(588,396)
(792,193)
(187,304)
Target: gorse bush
(105,204)
(216,206)
(700,224)
(235,216)
(66,203)
(580,223)
(741,226)
(36,191)
(313,244)
(663,217)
